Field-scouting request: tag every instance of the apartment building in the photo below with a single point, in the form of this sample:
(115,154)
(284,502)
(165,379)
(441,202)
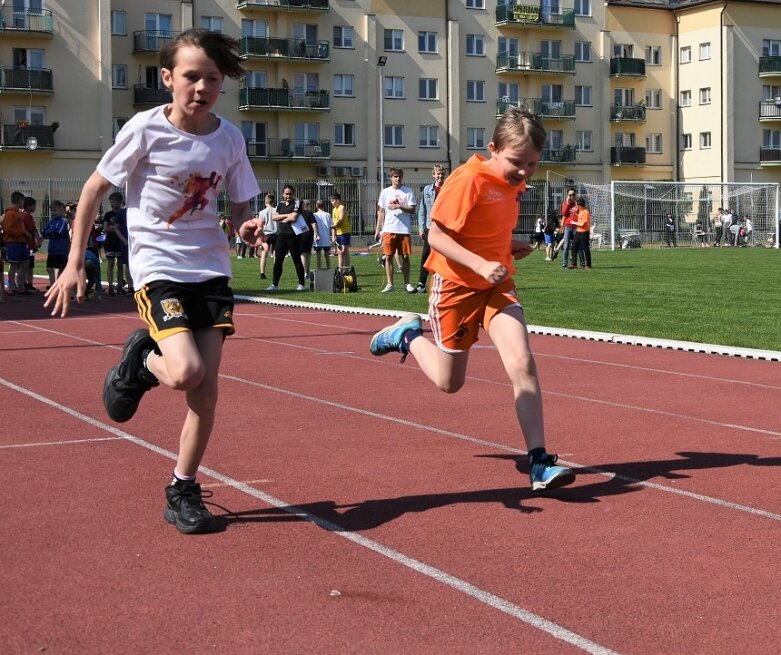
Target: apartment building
(628,89)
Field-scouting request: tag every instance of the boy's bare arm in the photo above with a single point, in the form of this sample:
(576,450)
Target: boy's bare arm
(441,241)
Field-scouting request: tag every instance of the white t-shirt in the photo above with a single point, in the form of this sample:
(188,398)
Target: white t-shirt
(173,179)
(324,225)
(396,220)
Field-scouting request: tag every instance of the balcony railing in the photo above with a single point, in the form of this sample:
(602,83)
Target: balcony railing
(271,48)
(265,98)
(567,154)
(146,96)
(285,5)
(29,21)
(770,110)
(16,137)
(26,80)
(770,155)
(627,155)
(304,149)
(769,66)
(628,113)
(627,67)
(152,40)
(546,109)
(534,15)
(534,62)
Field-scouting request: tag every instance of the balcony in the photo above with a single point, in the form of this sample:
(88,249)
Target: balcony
(16,137)
(26,80)
(627,67)
(534,62)
(279,99)
(144,96)
(770,110)
(628,113)
(283,5)
(566,154)
(626,155)
(769,66)
(534,15)
(289,149)
(564,110)
(151,40)
(289,49)
(29,22)
(770,156)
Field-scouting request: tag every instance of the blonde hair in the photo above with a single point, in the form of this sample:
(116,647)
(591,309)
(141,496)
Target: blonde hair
(517,125)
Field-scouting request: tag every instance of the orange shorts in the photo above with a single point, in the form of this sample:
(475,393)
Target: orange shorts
(457,312)
(393,243)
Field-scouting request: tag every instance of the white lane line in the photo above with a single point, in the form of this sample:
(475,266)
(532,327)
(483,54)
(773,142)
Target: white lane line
(64,442)
(481,595)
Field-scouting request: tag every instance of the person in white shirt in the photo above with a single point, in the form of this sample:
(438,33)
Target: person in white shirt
(325,234)
(394,218)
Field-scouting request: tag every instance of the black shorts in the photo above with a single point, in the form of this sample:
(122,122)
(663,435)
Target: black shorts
(56,261)
(307,242)
(171,307)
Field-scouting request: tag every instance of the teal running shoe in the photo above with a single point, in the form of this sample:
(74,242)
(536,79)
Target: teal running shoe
(544,474)
(391,338)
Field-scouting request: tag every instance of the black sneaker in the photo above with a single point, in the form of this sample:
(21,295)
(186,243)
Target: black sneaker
(129,380)
(185,508)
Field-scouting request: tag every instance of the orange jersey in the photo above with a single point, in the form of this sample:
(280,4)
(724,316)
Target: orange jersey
(584,220)
(479,209)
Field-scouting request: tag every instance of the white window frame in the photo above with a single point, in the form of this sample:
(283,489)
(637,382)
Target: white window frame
(653,55)
(475,4)
(119,76)
(705,51)
(393,87)
(686,98)
(583,95)
(393,40)
(32,114)
(256,79)
(118,17)
(705,95)
(685,56)
(344,134)
(428,88)
(686,141)
(584,141)
(117,123)
(653,143)
(771,138)
(771,47)
(509,91)
(254,27)
(583,7)
(396,134)
(213,23)
(428,42)
(706,141)
(583,52)
(344,85)
(653,98)
(475,45)
(475,138)
(345,38)
(475,91)
(429,136)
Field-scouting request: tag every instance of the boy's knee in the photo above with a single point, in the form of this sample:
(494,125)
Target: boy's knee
(450,386)
(186,376)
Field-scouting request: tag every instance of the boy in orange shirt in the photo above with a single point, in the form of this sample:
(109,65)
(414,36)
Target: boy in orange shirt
(472,251)
(582,236)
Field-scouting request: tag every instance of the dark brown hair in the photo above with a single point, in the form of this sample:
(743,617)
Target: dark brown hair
(222,49)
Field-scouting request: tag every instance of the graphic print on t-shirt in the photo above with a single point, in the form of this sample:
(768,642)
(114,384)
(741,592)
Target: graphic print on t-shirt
(195,188)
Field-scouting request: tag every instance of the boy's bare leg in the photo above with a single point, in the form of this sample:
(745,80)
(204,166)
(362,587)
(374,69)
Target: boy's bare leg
(446,371)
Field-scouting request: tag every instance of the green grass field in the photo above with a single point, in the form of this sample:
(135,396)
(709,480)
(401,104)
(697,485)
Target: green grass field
(728,296)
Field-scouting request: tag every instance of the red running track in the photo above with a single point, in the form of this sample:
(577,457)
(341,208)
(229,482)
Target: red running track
(373,514)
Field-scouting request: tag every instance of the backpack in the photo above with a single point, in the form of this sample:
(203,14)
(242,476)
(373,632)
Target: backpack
(345,280)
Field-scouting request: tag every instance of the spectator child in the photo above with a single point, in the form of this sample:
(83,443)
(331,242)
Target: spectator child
(178,254)
(115,242)
(29,205)
(341,229)
(471,262)
(325,229)
(57,231)
(15,237)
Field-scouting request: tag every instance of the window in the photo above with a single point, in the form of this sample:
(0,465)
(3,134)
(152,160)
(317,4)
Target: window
(623,50)
(771,47)
(625,140)
(119,76)
(394,87)
(255,80)
(258,28)
(475,91)
(509,92)
(305,82)
(653,143)
(771,139)
(686,55)
(507,46)
(583,141)
(429,136)
(344,134)
(475,45)
(705,95)
(343,36)
(686,98)
(344,85)
(583,7)
(771,91)
(704,51)
(624,97)
(552,93)
(653,55)
(583,96)
(33,115)
(117,123)
(686,141)
(24,58)
(653,98)
(555,139)
(119,23)
(705,140)
(428,89)
(213,23)
(394,40)
(158,23)
(582,51)
(475,138)
(394,136)
(475,4)
(427,42)
(305,32)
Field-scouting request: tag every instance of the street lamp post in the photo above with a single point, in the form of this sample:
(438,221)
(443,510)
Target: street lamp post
(646,189)
(381,61)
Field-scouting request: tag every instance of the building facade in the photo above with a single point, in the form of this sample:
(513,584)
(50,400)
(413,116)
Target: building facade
(686,90)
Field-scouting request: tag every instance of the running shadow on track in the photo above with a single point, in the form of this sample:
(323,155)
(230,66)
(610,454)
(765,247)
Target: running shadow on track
(625,477)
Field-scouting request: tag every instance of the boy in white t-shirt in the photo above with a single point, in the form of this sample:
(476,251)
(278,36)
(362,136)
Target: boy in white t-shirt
(395,207)
(174,159)
(325,234)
